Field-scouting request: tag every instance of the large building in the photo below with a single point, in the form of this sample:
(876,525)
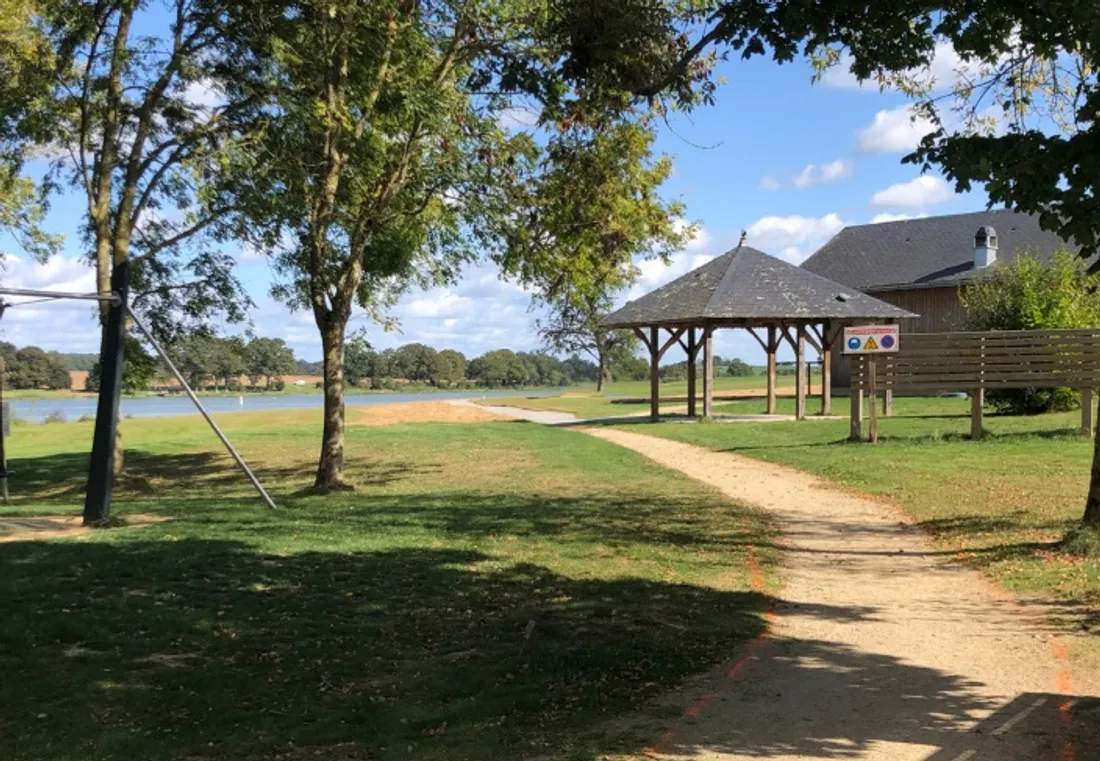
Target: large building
(920,264)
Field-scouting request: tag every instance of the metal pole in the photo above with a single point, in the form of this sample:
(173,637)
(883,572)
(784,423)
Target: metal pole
(4,432)
(112,297)
(202,410)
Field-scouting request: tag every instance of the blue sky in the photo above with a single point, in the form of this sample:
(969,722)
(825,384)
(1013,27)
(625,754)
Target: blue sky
(788,161)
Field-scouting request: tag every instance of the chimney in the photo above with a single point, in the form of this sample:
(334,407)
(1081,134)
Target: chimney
(985,247)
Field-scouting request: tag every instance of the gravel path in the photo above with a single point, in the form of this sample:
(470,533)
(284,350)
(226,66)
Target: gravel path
(881,648)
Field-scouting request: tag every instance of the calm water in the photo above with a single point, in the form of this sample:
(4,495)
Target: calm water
(36,410)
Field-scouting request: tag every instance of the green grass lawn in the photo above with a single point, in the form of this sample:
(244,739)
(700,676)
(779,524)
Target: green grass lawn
(1003,503)
(499,590)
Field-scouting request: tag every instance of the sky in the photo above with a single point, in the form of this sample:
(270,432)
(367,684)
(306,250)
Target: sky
(789,161)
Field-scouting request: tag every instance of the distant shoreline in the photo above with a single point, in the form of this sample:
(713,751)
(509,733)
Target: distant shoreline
(43,394)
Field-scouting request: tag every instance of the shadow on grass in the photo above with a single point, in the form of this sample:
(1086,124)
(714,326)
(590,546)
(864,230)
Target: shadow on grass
(207,649)
(63,477)
(203,649)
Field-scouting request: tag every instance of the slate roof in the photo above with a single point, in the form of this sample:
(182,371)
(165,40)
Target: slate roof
(746,284)
(926,253)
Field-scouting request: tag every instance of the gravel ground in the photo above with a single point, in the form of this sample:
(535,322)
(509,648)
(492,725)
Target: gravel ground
(881,648)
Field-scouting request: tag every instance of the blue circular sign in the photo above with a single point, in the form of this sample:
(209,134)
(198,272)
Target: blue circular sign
(854,343)
(887,342)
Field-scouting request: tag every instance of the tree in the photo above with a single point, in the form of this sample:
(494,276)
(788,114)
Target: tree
(498,368)
(139,369)
(451,368)
(597,204)
(31,367)
(739,368)
(269,358)
(140,110)
(230,362)
(360,361)
(1026,294)
(373,136)
(26,56)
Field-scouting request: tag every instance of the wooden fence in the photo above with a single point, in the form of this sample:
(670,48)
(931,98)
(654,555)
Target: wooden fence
(931,363)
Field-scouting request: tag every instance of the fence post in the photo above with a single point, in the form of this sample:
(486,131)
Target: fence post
(872,430)
(855,398)
(977,402)
(1087,419)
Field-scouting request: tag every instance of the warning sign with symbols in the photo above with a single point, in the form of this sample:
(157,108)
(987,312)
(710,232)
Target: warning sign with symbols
(871,339)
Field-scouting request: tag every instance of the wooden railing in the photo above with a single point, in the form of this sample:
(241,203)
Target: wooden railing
(930,363)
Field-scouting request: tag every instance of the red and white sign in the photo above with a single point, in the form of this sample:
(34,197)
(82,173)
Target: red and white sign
(871,339)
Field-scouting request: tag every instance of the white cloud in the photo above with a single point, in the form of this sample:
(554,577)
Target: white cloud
(768,182)
(823,174)
(942,73)
(204,94)
(774,233)
(793,238)
(701,238)
(888,217)
(811,174)
(919,192)
(441,303)
(56,325)
(518,118)
(896,130)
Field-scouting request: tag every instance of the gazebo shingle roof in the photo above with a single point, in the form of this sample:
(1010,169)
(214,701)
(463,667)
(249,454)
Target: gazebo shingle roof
(748,285)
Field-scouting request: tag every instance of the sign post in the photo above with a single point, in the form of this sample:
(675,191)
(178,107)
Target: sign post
(860,341)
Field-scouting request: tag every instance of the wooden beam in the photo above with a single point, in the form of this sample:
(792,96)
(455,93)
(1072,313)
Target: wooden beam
(872,429)
(1087,419)
(708,372)
(673,338)
(692,351)
(645,339)
(800,374)
(813,340)
(759,340)
(826,372)
(855,390)
(977,403)
(773,345)
(654,378)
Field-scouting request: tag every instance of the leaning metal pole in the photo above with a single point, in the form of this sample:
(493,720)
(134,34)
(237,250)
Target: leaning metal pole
(202,410)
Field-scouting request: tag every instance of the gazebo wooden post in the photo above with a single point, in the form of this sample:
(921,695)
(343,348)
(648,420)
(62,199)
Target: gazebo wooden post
(773,347)
(692,351)
(654,375)
(827,339)
(708,372)
(800,372)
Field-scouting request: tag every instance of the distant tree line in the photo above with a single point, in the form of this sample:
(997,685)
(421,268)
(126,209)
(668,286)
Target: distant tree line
(32,367)
(733,368)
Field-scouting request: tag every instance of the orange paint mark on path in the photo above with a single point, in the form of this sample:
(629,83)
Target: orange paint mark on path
(756,579)
(1066,749)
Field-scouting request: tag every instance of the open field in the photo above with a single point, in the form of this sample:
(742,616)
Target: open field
(1002,504)
(492,590)
(584,402)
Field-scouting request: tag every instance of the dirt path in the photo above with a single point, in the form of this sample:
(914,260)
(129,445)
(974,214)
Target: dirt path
(882,648)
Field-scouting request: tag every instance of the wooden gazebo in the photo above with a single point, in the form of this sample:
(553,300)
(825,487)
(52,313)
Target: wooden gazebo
(771,299)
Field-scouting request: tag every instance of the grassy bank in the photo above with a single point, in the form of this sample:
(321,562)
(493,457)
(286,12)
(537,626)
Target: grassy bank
(628,398)
(1003,504)
(497,590)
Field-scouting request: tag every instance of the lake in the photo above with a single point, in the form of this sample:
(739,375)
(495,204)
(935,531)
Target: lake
(37,410)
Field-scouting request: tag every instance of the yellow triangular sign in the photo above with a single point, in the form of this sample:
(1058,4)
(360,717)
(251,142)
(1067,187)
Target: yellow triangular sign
(870,345)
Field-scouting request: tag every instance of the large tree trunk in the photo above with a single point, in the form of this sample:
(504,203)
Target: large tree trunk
(330,469)
(603,374)
(1092,503)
